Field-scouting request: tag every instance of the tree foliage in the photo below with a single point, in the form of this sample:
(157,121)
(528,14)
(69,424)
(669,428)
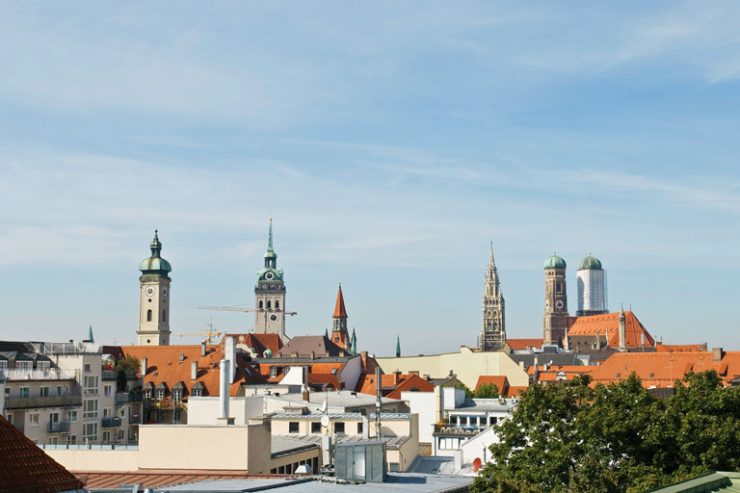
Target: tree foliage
(570,437)
(468,392)
(487,391)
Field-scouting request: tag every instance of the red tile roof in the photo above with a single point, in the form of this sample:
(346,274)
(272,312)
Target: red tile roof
(523,344)
(259,342)
(680,348)
(516,391)
(160,478)
(393,384)
(339,310)
(500,381)
(25,468)
(412,383)
(662,369)
(608,324)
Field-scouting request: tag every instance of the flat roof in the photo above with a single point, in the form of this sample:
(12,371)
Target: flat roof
(392,442)
(370,416)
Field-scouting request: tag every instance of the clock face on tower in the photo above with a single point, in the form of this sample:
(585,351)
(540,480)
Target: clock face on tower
(269,276)
(273,317)
(559,303)
(150,291)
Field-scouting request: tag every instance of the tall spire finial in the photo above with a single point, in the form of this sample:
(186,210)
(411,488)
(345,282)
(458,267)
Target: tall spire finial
(156,245)
(398,345)
(269,237)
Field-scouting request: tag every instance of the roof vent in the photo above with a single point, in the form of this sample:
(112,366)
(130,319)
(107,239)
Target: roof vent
(182,357)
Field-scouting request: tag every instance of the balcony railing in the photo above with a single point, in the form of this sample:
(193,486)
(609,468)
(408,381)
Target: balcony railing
(49,401)
(111,422)
(58,427)
(453,429)
(124,397)
(50,374)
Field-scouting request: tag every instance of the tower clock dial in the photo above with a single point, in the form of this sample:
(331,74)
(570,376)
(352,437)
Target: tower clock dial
(150,291)
(559,304)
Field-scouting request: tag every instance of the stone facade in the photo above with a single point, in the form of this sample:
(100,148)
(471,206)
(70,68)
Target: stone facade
(493,336)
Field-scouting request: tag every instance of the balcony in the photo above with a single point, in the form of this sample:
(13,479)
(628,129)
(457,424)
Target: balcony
(50,374)
(111,422)
(49,401)
(124,397)
(58,427)
(453,429)
(134,420)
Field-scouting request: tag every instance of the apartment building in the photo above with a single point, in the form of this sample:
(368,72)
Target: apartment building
(64,393)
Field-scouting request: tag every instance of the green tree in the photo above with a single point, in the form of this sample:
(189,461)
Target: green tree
(130,364)
(468,392)
(487,391)
(569,437)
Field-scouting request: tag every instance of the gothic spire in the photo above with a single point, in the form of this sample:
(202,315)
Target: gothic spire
(398,346)
(339,310)
(353,344)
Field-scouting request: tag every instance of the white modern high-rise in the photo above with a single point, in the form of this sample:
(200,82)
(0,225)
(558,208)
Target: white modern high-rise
(591,281)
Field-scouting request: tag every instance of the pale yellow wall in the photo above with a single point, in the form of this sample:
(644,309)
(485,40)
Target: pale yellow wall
(97,460)
(466,364)
(194,447)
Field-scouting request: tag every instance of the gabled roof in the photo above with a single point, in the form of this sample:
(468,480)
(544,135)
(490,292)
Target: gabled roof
(168,365)
(339,310)
(316,346)
(680,348)
(25,468)
(662,369)
(393,384)
(500,381)
(413,383)
(523,344)
(608,325)
(259,342)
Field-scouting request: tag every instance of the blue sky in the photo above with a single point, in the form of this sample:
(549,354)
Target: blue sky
(390,142)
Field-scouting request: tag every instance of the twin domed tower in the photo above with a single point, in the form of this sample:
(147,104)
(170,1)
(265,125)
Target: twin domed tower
(591,284)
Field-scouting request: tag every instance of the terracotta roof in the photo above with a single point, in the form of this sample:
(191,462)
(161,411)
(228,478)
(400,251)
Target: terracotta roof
(500,381)
(608,324)
(159,478)
(680,348)
(172,364)
(392,384)
(317,346)
(339,310)
(25,468)
(259,342)
(413,383)
(554,373)
(523,344)
(516,391)
(332,371)
(662,369)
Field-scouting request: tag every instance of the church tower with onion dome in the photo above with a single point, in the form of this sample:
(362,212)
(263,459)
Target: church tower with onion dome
(269,295)
(556,301)
(154,298)
(591,283)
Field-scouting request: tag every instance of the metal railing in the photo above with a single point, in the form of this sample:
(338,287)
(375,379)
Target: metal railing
(58,427)
(124,397)
(50,374)
(49,401)
(454,429)
(111,422)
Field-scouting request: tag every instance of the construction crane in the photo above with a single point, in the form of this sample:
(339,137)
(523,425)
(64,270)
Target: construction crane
(241,309)
(209,336)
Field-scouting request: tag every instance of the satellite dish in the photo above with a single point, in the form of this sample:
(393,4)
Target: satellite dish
(325,421)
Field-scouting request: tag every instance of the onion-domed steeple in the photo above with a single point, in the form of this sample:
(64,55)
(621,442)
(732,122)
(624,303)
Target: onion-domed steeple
(155,264)
(590,263)
(555,262)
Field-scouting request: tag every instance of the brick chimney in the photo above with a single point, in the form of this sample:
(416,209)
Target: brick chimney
(716,354)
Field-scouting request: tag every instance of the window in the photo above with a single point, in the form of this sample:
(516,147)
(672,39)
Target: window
(274,371)
(72,440)
(277,304)
(359,428)
(43,365)
(492,420)
(338,428)
(44,391)
(33,419)
(89,409)
(148,394)
(122,412)
(107,390)
(315,427)
(148,315)
(91,385)
(24,365)
(24,392)
(197,392)
(106,412)
(293,427)
(90,431)
(160,393)
(121,435)
(177,394)
(3,364)
(393,467)
(53,440)
(9,417)
(268,304)
(164,315)
(558,288)
(59,390)
(87,368)
(106,436)
(72,416)
(260,305)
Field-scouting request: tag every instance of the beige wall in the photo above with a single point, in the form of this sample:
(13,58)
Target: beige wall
(97,460)
(466,364)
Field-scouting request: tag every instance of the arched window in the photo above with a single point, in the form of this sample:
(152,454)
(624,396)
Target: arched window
(164,315)
(277,304)
(148,315)
(268,304)
(260,305)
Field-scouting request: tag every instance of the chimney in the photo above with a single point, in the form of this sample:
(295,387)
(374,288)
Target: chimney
(716,354)
(202,348)
(230,355)
(182,357)
(144,365)
(223,394)
(414,372)
(194,370)
(396,377)
(622,332)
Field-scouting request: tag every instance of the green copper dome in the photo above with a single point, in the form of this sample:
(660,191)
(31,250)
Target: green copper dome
(155,264)
(590,263)
(555,262)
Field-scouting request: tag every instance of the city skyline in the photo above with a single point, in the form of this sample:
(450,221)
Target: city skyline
(389,148)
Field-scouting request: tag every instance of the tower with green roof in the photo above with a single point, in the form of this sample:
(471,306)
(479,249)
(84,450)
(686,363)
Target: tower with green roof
(556,301)
(154,298)
(591,284)
(269,294)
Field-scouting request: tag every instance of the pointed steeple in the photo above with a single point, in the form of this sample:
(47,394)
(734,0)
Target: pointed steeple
(326,332)
(398,346)
(353,344)
(156,245)
(90,337)
(270,255)
(339,310)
